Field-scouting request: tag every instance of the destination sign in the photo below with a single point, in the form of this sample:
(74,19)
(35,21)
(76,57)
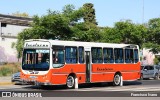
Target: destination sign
(36,45)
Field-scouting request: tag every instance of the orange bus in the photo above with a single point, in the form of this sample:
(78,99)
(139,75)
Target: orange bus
(56,62)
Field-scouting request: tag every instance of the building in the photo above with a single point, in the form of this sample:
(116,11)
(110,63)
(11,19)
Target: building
(147,57)
(10,26)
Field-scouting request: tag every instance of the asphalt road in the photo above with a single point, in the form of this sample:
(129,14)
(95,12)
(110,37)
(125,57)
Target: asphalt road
(90,87)
(130,89)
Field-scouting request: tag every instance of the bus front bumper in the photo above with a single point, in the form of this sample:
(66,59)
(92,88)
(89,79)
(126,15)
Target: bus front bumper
(35,82)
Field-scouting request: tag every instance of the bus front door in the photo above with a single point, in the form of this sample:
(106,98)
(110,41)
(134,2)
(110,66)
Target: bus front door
(88,66)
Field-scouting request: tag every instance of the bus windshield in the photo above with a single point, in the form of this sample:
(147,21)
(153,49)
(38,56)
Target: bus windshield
(36,59)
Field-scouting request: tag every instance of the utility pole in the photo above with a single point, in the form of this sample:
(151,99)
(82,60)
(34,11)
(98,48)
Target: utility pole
(142,11)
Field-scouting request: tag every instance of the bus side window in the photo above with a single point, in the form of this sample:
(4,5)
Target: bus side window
(96,55)
(136,56)
(108,55)
(58,56)
(81,54)
(71,54)
(118,53)
(129,56)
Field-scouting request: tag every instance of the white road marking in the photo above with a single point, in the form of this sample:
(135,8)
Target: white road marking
(119,88)
(128,88)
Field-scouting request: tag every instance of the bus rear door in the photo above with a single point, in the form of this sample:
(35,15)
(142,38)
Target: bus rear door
(88,64)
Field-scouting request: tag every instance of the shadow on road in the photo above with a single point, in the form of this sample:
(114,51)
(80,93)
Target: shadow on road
(89,85)
(139,82)
(54,87)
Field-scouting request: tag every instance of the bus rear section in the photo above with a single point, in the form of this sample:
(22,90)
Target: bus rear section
(50,62)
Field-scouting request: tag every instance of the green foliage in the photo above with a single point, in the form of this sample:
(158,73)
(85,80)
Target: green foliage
(109,35)
(9,69)
(154,30)
(5,71)
(72,15)
(124,32)
(68,25)
(155,48)
(54,25)
(86,32)
(89,15)
(156,60)
(153,34)
(130,33)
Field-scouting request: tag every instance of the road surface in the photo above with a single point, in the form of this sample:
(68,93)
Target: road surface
(141,88)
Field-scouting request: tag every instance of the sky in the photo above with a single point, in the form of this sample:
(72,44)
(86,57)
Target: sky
(108,12)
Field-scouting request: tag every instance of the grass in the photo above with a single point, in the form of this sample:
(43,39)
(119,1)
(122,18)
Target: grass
(9,68)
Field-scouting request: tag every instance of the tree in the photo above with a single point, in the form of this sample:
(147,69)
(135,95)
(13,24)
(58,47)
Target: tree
(89,15)
(153,34)
(54,25)
(109,35)
(124,32)
(72,15)
(50,26)
(82,31)
(86,32)
(130,33)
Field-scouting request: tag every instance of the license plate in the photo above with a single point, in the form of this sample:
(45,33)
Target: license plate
(33,76)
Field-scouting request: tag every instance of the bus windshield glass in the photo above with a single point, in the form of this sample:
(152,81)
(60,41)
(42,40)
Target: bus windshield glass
(36,59)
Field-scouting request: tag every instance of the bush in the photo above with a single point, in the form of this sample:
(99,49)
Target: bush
(9,69)
(4,71)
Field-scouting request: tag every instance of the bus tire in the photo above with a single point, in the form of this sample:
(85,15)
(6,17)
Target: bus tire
(117,80)
(70,82)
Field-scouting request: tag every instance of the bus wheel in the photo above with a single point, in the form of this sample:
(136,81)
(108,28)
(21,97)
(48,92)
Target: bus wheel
(117,80)
(70,82)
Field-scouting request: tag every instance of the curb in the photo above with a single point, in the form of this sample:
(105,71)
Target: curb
(6,83)
(5,80)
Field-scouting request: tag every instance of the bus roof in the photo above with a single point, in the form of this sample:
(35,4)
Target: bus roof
(86,44)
